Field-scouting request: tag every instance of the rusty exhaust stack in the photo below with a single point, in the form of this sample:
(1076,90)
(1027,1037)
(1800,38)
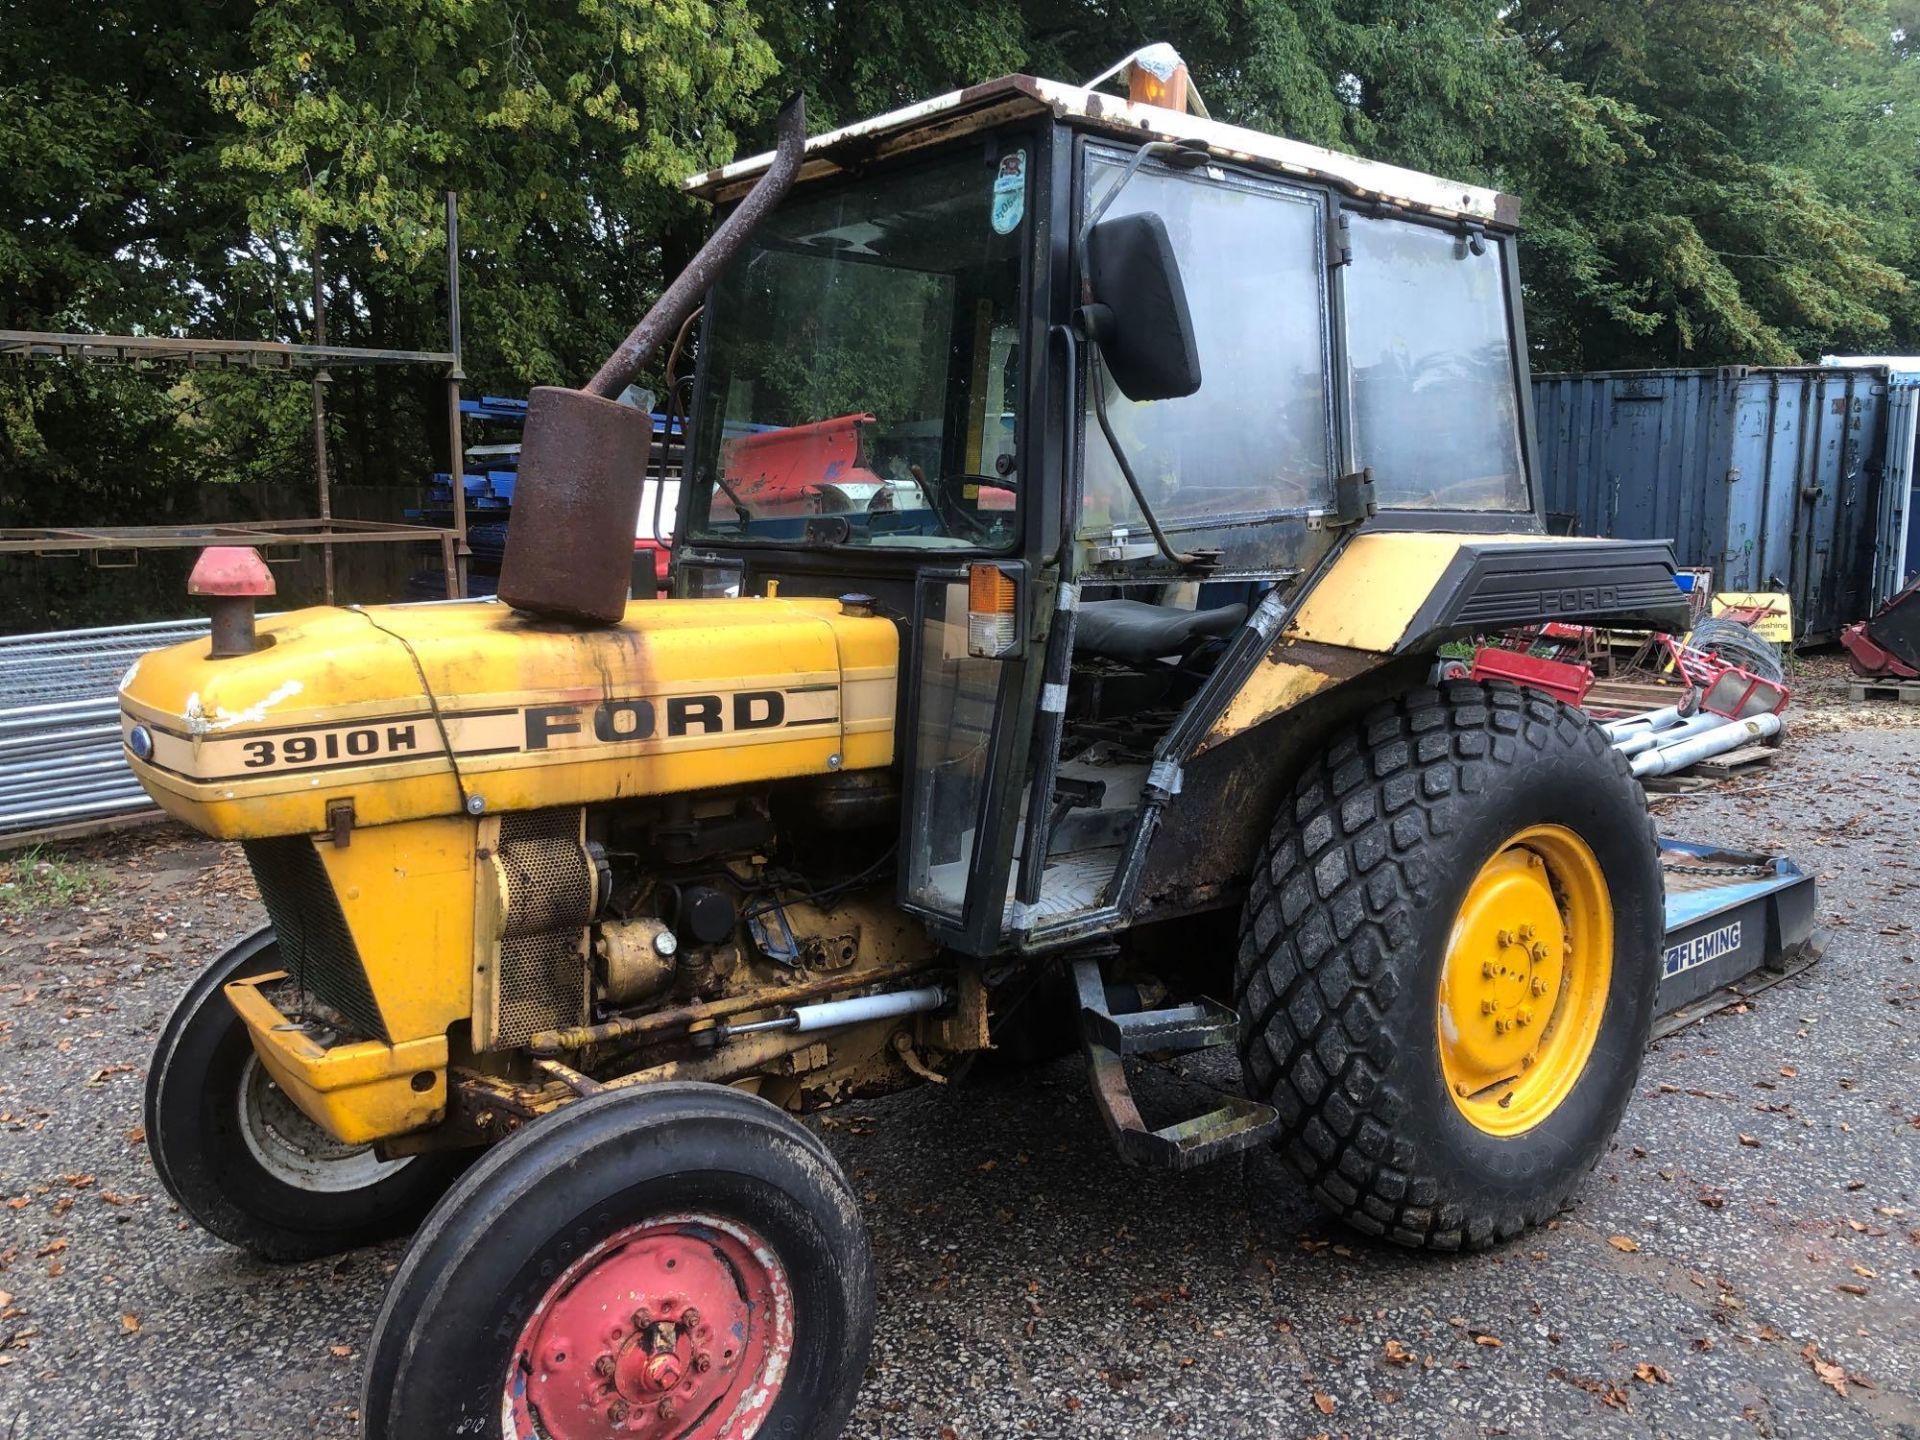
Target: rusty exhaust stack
(583,455)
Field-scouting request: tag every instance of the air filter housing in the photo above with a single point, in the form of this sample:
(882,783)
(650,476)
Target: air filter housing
(538,889)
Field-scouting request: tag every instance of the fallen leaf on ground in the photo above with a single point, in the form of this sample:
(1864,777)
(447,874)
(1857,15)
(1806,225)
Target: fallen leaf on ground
(130,1323)
(1323,1402)
(1623,1242)
(1830,1374)
(1398,1354)
(1651,1374)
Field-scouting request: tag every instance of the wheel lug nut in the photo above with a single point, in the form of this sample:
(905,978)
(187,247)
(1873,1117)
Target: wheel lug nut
(641,1319)
(1539,951)
(1505,937)
(1499,1027)
(1487,1007)
(689,1317)
(665,1410)
(1539,986)
(617,1411)
(603,1367)
(1486,969)
(703,1363)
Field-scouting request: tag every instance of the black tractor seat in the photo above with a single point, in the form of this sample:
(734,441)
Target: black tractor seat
(1136,633)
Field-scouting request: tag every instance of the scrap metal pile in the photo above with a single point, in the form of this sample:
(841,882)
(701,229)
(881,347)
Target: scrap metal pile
(1716,693)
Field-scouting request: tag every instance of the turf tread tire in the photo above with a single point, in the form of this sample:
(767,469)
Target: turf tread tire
(1360,865)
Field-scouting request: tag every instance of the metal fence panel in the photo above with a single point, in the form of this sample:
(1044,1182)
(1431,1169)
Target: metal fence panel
(61,756)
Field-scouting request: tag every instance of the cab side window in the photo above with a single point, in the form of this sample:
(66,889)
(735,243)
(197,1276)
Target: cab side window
(1256,438)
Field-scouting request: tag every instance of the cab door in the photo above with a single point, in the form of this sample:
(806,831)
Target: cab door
(967,727)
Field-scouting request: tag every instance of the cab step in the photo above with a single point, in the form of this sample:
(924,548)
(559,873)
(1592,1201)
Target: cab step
(1238,1124)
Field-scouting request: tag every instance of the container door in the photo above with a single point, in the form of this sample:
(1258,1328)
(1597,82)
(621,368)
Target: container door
(1894,521)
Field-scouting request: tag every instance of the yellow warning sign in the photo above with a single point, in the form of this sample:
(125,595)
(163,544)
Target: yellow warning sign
(1768,613)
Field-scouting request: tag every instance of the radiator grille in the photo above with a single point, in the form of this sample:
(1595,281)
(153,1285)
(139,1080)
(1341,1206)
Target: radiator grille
(315,945)
(542,974)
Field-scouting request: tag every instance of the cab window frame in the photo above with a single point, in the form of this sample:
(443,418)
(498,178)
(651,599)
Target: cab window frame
(1505,245)
(1030,250)
(1094,153)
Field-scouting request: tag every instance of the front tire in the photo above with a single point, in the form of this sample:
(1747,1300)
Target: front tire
(1448,964)
(242,1160)
(674,1259)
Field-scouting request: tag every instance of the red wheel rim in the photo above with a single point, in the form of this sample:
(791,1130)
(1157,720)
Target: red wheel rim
(679,1328)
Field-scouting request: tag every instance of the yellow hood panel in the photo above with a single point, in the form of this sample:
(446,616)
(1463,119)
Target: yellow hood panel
(410,711)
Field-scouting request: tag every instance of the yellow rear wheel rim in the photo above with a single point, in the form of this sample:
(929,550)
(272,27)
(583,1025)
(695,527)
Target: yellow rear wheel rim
(1523,986)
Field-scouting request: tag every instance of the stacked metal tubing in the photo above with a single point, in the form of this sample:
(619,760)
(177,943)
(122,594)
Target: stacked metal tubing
(62,761)
(1662,742)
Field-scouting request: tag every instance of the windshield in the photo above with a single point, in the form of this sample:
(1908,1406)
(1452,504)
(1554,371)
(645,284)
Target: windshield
(860,371)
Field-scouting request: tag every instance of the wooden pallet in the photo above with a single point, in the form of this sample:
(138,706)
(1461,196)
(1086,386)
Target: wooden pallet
(1685,784)
(1907,692)
(1719,767)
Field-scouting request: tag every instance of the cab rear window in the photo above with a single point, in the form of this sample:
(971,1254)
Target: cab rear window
(1430,368)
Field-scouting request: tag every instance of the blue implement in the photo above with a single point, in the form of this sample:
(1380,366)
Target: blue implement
(1736,922)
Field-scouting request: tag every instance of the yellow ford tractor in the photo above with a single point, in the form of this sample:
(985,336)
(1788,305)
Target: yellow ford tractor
(1078,493)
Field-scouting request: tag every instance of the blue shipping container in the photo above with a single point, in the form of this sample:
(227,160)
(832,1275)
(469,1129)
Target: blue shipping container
(1777,478)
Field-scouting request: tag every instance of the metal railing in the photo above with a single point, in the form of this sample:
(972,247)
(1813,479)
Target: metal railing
(62,761)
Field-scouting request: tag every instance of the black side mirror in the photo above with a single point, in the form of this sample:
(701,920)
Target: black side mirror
(1139,315)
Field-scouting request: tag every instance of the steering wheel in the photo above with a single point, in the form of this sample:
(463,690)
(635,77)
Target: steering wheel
(942,495)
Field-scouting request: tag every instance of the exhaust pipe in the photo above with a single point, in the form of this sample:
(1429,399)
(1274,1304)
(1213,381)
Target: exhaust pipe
(583,455)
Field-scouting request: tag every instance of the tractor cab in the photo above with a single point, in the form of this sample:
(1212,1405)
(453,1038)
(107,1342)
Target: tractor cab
(1078,391)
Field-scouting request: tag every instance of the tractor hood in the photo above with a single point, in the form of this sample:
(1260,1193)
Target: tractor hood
(408,711)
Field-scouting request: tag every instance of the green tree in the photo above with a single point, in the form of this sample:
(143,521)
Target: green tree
(1736,227)
(1704,181)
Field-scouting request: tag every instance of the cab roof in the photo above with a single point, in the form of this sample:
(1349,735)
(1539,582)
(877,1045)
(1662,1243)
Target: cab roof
(1015,97)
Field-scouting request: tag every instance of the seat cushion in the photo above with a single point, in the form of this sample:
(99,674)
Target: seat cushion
(1136,633)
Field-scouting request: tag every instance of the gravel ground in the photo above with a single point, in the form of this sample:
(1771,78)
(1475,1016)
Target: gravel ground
(1742,1263)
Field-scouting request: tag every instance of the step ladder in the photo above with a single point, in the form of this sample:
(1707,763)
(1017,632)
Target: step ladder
(1106,1037)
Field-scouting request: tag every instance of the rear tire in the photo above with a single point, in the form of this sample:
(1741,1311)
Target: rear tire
(1355,984)
(241,1160)
(514,1299)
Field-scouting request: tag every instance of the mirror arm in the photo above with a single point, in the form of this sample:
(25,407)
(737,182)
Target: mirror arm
(1185,559)
(1182,151)
(1092,318)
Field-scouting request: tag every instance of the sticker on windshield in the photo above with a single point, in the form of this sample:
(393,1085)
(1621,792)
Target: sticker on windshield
(1010,192)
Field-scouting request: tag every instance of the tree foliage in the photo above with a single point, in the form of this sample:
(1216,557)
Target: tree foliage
(1704,181)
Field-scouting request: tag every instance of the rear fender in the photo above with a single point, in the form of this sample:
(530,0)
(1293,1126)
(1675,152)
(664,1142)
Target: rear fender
(1390,595)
